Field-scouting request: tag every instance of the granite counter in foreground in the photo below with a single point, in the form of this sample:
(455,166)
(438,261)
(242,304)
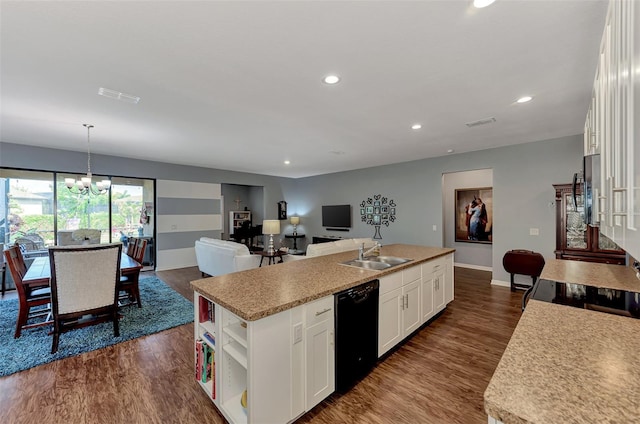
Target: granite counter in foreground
(264,291)
(617,277)
(568,365)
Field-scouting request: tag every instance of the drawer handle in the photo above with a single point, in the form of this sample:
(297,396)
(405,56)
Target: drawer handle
(322,312)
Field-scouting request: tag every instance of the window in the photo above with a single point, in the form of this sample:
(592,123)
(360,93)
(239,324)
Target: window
(32,208)
(26,208)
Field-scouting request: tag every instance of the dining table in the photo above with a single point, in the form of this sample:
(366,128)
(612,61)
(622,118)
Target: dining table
(39,273)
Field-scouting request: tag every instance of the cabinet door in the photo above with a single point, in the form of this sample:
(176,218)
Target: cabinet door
(320,362)
(389,320)
(427,298)
(448,280)
(411,314)
(438,289)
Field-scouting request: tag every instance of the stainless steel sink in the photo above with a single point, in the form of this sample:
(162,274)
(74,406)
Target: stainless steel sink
(377,262)
(391,260)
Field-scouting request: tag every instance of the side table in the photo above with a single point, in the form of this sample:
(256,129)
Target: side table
(295,238)
(272,256)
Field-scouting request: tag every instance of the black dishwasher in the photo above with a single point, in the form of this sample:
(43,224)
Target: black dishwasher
(356,333)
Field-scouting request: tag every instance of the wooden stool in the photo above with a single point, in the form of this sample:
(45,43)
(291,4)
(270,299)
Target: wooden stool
(524,262)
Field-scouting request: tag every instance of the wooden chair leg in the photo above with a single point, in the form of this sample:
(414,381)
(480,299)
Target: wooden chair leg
(116,324)
(56,338)
(23,313)
(136,291)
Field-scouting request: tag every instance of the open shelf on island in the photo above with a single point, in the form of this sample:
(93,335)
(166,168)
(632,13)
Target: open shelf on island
(237,352)
(234,409)
(208,326)
(238,332)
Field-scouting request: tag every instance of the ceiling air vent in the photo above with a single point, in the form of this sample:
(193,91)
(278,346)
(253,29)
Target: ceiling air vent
(481,122)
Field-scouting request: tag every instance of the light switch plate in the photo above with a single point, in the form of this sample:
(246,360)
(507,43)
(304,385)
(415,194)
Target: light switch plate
(435,228)
(534,231)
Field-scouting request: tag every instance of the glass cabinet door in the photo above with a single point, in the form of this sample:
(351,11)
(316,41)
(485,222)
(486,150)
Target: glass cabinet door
(576,228)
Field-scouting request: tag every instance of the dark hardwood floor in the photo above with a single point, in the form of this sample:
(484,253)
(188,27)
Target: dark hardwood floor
(438,376)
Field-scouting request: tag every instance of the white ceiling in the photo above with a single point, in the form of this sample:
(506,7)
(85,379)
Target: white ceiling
(237,85)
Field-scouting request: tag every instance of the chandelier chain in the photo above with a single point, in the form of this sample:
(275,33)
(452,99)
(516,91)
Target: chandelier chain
(89,126)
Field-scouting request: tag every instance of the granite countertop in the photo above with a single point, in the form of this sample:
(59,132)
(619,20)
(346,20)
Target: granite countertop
(264,291)
(570,365)
(591,274)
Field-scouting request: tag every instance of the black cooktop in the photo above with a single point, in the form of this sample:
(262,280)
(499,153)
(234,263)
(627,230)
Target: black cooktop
(613,301)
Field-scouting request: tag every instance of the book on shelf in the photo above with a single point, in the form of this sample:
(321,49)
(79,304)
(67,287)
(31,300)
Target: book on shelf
(206,310)
(199,359)
(210,338)
(207,363)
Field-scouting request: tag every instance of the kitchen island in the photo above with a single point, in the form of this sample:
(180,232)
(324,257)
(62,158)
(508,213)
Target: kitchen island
(570,365)
(269,332)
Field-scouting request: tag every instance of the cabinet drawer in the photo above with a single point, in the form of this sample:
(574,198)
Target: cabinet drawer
(319,310)
(390,282)
(411,274)
(435,265)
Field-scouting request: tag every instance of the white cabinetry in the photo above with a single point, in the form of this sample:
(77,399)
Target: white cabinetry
(242,349)
(411,297)
(320,350)
(613,123)
(285,362)
(399,307)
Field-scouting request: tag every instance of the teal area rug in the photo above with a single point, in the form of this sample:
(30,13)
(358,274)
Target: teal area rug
(162,308)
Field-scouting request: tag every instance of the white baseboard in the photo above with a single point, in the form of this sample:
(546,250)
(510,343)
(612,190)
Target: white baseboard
(500,283)
(470,266)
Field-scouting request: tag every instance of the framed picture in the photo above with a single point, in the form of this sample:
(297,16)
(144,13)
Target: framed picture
(384,209)
(376,219)
(376,210)
(362,212)
(474,215)
(282,209)
(369,209)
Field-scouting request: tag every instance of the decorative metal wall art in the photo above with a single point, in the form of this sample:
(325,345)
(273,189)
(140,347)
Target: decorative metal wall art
(378,211)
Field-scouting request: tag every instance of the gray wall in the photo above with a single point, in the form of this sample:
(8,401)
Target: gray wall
(522,194)
(522,191)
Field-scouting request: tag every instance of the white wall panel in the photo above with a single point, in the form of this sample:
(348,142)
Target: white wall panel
(176,258)
(184,223)
(187,190)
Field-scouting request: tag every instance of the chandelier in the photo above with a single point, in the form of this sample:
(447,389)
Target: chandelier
(84,185)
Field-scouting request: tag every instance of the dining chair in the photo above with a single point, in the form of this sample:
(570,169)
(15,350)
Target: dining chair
(128,286)
(37,298)
(84,283)
(131,246)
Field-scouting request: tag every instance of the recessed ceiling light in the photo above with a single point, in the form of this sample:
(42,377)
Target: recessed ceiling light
(286,162)
(479,4)
(331,79)
(450,151)
(416,126)
(524,99)
(123,97)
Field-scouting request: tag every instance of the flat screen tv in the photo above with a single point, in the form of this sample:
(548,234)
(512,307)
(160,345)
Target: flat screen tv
(336,216)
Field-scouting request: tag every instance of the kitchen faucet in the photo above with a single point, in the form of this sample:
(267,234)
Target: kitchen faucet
(375,250)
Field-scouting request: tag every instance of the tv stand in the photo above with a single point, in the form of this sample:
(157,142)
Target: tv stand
(324,239)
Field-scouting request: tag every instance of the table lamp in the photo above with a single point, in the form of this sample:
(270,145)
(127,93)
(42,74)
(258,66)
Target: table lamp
(270,227)
(295,220)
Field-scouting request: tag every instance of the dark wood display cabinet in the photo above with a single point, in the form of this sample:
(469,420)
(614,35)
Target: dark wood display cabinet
(576,240)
